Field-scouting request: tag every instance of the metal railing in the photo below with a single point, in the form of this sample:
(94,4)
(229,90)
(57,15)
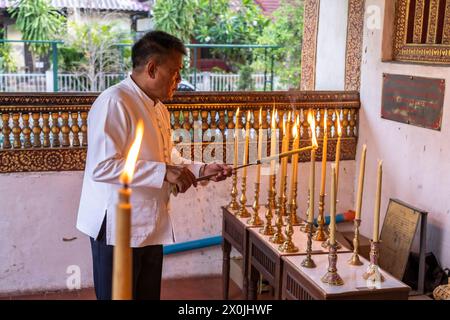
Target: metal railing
(79,82)
(48,131)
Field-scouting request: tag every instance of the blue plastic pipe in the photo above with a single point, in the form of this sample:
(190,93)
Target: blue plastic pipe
(191,245)
(339,218)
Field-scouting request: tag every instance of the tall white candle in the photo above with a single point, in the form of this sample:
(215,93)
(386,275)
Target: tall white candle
(312,172)
(273,141)
(338,150)
(236,139)
(247,138)
(295,145)
(376,218)
(362,167)
(333,206)
(260,144)
(324,153)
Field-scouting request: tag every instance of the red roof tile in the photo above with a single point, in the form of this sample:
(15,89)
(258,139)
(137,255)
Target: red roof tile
(120,5)
(268,6)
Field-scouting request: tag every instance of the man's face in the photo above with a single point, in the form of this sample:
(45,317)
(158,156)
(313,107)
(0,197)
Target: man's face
(167,75)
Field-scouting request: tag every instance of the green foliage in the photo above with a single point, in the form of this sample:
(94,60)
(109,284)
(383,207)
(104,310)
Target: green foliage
(286,31)
(246,82)
(37,20)
(7,63)
(70,58)
(93,44)
(218,22)
(176,17)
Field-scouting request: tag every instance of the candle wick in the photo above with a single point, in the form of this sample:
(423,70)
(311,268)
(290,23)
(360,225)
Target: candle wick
(126,186)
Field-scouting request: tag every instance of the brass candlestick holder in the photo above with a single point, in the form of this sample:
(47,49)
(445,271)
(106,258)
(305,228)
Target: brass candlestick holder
(293,207)
(354,260)
(243,212)
(255,220)
(308,262)
(320,234)
(373,271)
(307,226)
(282,200)
(326,244)
(268,230)
(332,277)
(234,205)
(278,237)
(288,246)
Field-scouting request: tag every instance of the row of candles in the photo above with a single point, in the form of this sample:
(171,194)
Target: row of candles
(286,244)
(122,265)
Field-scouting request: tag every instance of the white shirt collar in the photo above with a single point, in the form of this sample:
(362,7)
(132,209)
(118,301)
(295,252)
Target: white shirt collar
(148,101)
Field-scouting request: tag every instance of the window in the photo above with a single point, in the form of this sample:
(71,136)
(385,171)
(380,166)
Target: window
(422,31)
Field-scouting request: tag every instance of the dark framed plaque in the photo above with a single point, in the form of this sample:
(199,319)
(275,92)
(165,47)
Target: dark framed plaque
(413,100)
(397,235)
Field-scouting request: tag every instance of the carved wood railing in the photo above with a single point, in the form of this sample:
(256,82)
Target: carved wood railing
(48,132)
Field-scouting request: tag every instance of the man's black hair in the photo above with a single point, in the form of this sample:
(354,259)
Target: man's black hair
(155,43)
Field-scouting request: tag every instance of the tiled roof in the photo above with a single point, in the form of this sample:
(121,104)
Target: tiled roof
(268,6)
(120,5)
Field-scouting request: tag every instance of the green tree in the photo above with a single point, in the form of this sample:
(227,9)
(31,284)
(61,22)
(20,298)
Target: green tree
(218,22)
(176,17)
(246,82)
(37,20)
(96,41)
(286,31)
(7,63)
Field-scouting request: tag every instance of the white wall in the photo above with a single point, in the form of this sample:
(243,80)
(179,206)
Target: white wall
(416,160)
(38,211)
(331,45)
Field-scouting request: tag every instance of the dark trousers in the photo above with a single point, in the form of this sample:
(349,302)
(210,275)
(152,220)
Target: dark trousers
(147,269)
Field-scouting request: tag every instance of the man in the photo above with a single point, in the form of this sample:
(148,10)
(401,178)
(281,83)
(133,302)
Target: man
(157,61)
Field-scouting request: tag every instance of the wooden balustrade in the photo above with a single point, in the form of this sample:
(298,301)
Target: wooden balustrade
(48,132)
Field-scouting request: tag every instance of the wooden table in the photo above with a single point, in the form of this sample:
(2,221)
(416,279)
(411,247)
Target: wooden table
(235,234)
(265,258)
(301,283)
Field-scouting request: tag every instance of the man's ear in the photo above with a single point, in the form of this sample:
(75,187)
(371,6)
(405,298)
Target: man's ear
(151,68)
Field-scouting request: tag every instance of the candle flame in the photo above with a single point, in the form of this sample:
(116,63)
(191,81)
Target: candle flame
(128,171)
(295,130)
(248,116)
(325,122)
(273,118)
(312,123)
(339,129)
(260,116)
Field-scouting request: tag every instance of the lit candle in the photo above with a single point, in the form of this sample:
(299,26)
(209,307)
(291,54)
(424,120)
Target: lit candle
(122,265)
(312,123)
(338,150)
(284,148)
(247,138)
(362,167)
(324,153)
(376,218)
(273,141)
(295,145)
(260,142)
(333,206)
(236,139)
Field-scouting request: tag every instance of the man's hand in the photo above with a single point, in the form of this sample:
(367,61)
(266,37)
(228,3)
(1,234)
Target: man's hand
(180,176)
(221,171)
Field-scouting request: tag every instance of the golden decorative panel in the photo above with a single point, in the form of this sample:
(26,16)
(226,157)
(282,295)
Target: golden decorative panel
(48,132)
(422,31)
(354,44)
(309,47)
(61,159)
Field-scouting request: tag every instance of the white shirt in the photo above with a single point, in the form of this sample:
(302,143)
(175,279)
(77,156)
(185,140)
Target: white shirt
(112,123)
